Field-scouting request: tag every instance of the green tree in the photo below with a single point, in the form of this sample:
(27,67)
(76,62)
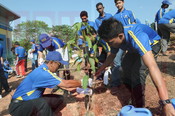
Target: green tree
(63,32)
(29,30)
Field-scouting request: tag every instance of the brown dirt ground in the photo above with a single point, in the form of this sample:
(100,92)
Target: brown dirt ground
(105,103)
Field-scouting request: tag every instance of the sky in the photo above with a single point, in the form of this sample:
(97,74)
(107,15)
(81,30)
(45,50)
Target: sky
(59,12)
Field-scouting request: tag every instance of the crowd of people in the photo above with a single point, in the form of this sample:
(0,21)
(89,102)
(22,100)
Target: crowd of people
(129,47)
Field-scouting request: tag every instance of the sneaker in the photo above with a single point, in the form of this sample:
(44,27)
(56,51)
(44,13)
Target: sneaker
(0,96)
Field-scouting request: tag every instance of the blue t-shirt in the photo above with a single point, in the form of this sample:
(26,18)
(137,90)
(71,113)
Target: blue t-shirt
(100,19)
(137,21)
(125,17)
(56,44)
(80,41)
(1,53)
(34,47)
(159,14)
(168,18)
(90,23)
(139,38)
(34,84)
(20,52)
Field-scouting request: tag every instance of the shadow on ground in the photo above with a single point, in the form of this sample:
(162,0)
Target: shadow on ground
(166,67)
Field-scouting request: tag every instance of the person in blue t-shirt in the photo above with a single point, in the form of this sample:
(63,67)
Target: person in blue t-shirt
(142,44)
(34,51)
(125,17)
(160,13)
(7,69)
(50,44)
(85,22)
(102,15)
(3,80)
(166,25)
(28,99)
(162,10)
(20,59)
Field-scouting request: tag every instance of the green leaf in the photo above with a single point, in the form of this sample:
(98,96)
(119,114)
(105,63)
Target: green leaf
(96,59)
(89,41)
(95,48)
(85,81)
(92,64)
(79,66)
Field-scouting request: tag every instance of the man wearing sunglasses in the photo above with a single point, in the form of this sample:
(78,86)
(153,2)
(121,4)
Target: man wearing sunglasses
(85,22)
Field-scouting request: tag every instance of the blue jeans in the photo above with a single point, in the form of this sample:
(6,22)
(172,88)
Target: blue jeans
(116,70)
(34,61)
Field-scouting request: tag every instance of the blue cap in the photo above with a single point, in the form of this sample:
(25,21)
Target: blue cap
(55,56)
(166,2)
(45,40)
(32,40)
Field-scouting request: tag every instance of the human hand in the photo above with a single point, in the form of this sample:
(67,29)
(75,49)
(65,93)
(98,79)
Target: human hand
(169,110)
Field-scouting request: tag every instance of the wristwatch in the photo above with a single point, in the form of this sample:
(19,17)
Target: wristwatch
(164,102)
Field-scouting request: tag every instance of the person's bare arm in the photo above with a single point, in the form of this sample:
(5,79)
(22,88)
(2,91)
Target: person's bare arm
(157,78)
(70,83)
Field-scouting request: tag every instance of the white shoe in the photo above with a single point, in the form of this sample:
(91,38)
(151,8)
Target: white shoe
(0,96)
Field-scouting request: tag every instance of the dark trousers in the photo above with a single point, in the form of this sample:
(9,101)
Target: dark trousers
(135,73)
(3,81)
(44,106)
